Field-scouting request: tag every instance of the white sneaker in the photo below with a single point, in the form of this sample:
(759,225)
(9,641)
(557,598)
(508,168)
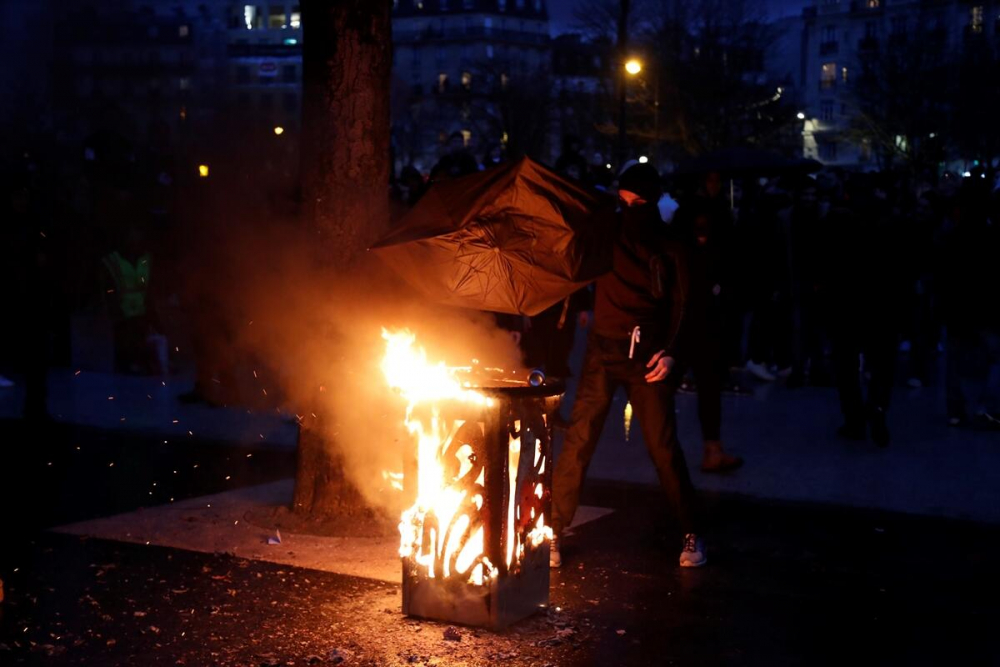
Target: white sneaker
(760,372)
(6,383)
(694,552)
(555,558)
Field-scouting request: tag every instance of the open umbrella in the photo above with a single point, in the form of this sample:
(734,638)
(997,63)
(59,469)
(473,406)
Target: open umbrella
(513,239)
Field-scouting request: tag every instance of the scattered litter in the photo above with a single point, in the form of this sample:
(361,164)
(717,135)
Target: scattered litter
(276,539)
(452,634)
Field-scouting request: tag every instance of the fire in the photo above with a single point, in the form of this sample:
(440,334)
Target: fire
(438,531)
(443,531)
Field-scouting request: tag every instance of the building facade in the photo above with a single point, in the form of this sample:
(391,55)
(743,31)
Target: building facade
(465,66)
(822,53)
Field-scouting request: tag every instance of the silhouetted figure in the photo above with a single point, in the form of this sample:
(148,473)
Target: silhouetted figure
(865,296)
(638,313)
(970,286)
(458,161)
(703,224)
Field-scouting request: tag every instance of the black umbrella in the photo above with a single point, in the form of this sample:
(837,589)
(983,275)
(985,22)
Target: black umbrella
(513,239)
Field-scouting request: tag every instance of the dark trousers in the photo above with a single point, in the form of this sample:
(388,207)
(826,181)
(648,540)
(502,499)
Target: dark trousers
(875,337)
(606,367)
(704,356)
(770,336)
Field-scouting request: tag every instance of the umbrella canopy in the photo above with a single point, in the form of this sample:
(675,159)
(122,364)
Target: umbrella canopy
(513,239)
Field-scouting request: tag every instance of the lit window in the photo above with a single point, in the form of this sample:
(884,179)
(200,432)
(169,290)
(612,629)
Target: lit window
(466,137)
(251,16)
(504,80)
(183,31)
(466,80)
(874,4)
(976,21)
(296,21)
(442,82)
(276,17)
(828,75)
(843,74)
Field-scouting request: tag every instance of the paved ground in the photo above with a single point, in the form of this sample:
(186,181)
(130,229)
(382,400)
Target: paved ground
(789,583)
(786,436)
(823,552)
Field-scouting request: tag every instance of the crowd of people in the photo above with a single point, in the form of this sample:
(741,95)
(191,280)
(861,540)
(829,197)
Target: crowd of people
(836,278)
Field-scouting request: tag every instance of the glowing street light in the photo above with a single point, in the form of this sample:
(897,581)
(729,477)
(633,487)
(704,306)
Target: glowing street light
(643,159)
(278,130)
(633,66)
(203,170)
(800,116)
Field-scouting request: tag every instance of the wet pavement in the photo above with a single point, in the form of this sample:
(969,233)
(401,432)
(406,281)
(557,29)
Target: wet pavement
(788,583)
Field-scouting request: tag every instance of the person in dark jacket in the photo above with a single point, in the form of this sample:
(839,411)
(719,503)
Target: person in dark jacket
(703,224)
(638,312)
(970,290)
(865,293)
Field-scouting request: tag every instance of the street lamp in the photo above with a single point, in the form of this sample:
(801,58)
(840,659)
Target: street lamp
(633,66)
(278,130)
(800,116)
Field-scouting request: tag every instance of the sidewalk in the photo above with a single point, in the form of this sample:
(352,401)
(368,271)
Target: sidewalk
(786,436)
(149,405)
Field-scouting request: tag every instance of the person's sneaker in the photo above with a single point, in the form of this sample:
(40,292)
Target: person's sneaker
(693,554)
(760,372)
(555,556)
(880,432)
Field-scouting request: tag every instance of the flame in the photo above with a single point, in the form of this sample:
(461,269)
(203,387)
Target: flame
(628,419)
(436,530)
(442,533)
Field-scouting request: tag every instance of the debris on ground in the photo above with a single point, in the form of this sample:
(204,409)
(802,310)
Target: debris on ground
(452,634)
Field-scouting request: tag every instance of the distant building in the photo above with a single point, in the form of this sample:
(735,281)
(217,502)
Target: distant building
(820,53)
(265,61)
(453,60)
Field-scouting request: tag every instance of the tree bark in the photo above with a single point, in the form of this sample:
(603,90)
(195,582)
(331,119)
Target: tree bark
(347,62)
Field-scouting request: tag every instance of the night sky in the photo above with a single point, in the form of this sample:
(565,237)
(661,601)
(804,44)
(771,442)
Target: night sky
(561,11)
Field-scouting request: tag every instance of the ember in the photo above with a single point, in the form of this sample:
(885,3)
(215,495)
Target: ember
(475,542)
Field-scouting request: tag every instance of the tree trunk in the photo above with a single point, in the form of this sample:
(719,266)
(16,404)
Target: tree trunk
(347,62)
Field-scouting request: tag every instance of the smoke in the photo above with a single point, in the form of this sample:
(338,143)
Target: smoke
(313,336)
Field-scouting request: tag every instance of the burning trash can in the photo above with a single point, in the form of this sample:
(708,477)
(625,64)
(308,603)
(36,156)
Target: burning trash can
(475,544)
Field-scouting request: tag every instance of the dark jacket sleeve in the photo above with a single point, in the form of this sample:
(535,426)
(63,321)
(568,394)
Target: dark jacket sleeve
(677,279)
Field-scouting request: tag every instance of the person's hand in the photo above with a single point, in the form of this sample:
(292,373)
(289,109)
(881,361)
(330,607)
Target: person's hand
(583,319)
(661,366)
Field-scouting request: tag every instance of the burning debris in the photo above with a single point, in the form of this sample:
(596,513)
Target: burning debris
(475,542)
